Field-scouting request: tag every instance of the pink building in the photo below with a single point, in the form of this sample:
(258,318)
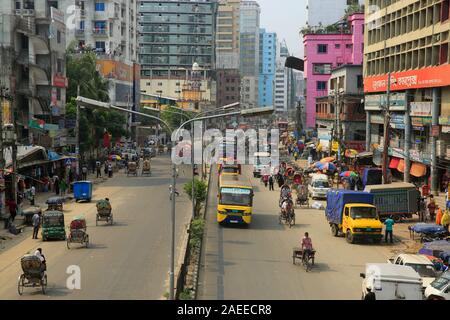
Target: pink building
(326,51)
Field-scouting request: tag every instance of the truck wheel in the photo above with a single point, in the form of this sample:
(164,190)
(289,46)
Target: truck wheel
(334,230)
(349,237)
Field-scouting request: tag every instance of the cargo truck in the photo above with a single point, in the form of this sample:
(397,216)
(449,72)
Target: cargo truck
(353,214)
(398,200)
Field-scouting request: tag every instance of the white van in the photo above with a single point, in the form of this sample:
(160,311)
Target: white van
(392,282)
(319,186)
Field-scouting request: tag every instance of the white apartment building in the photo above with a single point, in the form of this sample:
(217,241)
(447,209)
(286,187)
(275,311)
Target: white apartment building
(284,88)
(326,12)
(33,70)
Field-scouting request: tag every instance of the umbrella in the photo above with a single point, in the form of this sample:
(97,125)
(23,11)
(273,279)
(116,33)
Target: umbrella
(115,157)
(325,166)
(328,159)
(348,174)
(351,153)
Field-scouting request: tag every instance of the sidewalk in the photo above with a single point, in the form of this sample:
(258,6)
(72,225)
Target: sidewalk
(40,201)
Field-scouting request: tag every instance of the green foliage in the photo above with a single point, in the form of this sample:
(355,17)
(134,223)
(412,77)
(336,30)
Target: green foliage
(186,294)
(200,193)
(174,117)
(196,232)
(82,71)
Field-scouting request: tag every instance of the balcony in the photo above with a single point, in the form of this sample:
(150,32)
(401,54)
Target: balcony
(325,116)
(79,33)
(26,25)
(25,12)
(100,32)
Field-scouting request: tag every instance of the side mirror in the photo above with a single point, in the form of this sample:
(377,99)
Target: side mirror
(362,275)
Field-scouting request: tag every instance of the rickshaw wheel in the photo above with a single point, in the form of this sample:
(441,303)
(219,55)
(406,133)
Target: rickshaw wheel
(68,243)
(111,220)
(87,241)
(44,284)
(96,220)
(20,284)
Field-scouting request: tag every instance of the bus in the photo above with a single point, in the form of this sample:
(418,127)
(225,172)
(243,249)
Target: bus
(235,200)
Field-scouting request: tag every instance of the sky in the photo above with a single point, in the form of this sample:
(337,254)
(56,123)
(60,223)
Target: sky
(285,17)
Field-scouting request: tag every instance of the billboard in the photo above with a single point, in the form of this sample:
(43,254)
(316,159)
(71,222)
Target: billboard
(115,70)
(413,79)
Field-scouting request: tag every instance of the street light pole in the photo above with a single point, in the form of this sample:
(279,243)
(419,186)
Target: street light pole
(386,131)
(77,133)
(97,104)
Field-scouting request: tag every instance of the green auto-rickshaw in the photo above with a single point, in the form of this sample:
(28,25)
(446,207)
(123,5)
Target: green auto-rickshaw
(53,225)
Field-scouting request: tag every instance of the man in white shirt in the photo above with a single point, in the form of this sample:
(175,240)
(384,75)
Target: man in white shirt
(32,194)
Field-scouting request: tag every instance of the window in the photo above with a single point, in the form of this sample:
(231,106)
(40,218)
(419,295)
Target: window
(322,68)
(359,81)
(58,94)
(82,24)
(322,48)
(337,45)
(59,66)
(321,85)
(99,6)
(349,46)
(100,46)
(58,36)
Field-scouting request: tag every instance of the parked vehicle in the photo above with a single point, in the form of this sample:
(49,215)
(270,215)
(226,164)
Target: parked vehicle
(397,199)
(353,214)
(319,186)
(82,190)
(420,263)
(53,225)
(371,176)
(34,274)
(391,282)
(439,289)
(55,203)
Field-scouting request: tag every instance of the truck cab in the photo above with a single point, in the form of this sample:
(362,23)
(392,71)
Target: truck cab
(353,214)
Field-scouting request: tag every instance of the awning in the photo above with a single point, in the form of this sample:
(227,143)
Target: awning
(394,163)
(401,165)
(418,169)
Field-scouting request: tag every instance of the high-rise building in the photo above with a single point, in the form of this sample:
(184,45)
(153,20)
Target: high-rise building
(175,35)
(408,42)
(228,86)
(267,67)
(284,93)
(33,70)
(249,52)
(109,28)
(326,12)
(227,34)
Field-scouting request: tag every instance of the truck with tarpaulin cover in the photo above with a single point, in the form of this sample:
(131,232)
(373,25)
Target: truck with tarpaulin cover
(398,200)
(353,214)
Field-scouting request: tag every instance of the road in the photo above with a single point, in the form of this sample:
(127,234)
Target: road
(129,260)
(256,262)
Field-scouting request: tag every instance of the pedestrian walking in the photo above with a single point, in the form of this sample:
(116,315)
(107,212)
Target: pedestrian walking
(32,195)
(445,221)
(12,209)
(110,170)
(431,207)
(265,180)
(56,184)
(63,186)
(84,172)
(99,169)
(271,182)
(36,224)
(106,168)
(389,223)
(439,216)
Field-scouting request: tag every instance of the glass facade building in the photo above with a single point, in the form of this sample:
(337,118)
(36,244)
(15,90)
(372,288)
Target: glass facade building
(176,34)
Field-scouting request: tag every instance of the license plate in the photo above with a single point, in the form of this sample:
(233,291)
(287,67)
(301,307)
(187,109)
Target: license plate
(234,221)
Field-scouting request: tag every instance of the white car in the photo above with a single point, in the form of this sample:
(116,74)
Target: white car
(439,289)
(420,263)
(319,186)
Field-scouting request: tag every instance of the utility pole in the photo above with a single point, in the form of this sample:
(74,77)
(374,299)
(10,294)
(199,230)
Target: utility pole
(339,132)
(77,133)
(386,131)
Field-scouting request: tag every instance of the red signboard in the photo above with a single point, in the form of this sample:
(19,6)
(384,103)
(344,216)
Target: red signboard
(59,81)
(359,146)
(414,79)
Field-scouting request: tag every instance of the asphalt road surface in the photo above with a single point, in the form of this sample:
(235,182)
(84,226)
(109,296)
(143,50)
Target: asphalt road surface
(256,262)
(128,260)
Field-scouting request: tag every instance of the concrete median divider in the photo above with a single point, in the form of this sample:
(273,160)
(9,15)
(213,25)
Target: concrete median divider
(187,270)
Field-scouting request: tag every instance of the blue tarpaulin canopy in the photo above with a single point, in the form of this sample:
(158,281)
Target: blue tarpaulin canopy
(427,228)
(53,156)
(439,249)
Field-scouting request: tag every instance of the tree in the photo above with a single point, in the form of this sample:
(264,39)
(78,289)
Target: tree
(175,117)
(200,193)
